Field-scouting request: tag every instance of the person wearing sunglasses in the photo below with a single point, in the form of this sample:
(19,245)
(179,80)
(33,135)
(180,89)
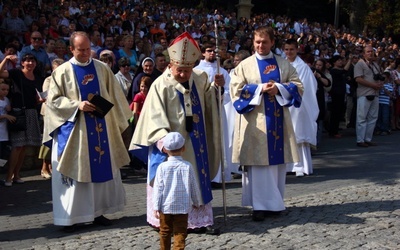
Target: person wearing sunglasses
(124,75)
(36,49)
(210,66)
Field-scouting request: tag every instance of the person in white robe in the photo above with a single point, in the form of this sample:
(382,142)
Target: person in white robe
(262,88)
(304,118)
(183,100)
(88,150)
(209,65)
(239,56)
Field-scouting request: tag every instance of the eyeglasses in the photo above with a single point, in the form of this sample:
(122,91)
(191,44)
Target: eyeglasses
(210,51)
(125,65)
(36,38)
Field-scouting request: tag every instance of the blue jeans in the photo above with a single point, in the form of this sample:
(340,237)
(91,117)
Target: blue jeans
(383,123)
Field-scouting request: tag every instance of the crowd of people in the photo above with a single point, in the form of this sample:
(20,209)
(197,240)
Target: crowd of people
(144,47)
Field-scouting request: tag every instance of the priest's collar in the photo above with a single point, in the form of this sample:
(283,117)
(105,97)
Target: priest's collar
(74,61)
(260,57)
(209,64)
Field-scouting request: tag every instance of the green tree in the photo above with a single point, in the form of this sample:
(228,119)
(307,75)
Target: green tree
(381,17)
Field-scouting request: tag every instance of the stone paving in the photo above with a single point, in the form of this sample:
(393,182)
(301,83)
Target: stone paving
(351,202)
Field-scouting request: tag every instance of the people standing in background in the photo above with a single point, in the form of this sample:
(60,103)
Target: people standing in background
(43,61)
(396,102)
(124,75)
(10,49)
(324,86)
(50,46)
(129,51)
(138,100)
(24,96)
(5,118)
(13,25)
(304,118)
(107,58)
(45,152)
(385,100)
(146,68)
(338,94)
(351,99)
(368,76)
(210,66)
(160,65)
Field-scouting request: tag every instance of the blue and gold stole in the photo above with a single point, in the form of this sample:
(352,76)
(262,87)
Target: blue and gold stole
(269,71)
(199,143)
(97,139)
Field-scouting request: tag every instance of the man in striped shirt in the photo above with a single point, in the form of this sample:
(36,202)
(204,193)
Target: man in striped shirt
(385,94)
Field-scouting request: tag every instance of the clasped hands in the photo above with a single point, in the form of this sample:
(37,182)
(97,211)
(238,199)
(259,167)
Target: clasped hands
(270,88)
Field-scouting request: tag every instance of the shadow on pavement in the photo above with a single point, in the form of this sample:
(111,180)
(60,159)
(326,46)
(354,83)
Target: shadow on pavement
(325,214)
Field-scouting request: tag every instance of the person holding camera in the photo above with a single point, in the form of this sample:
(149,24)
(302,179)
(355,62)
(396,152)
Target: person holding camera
(338,93)
(368,76)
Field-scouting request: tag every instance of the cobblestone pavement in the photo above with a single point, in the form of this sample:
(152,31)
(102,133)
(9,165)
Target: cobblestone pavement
(351,202)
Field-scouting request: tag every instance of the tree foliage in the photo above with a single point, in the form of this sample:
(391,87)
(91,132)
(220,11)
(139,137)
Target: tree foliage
(378,16)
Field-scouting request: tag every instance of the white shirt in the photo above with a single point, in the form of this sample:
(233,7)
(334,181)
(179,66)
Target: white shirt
(3,122)
(174,186)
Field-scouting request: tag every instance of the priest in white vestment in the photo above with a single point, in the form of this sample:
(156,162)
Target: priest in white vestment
(87,149)
(262,88)
(209,65)
(183,100)
(304,118)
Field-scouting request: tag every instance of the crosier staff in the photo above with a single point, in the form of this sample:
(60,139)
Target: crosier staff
(221,123)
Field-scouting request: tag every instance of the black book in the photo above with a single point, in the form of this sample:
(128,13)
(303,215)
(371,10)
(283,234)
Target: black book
(102,105)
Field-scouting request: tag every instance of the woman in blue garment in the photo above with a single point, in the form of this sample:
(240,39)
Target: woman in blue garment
(128,51)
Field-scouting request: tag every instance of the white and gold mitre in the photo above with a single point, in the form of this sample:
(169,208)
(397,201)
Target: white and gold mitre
(184,51)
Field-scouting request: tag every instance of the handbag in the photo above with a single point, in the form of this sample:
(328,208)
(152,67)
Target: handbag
(20,120)
(20,116)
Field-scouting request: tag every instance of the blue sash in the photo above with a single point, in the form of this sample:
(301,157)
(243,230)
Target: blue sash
(269,71)
(156,158)
(97,139)
(199,143)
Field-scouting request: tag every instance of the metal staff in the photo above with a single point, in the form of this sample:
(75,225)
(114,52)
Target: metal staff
(221,124)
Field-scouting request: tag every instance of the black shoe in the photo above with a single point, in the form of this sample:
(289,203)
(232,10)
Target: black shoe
(157,229)
(69,229)
(272,213)
(212,231)
(103,221)
(124,175)
(258,216)
(199,230)
(236,176)
(216,185)
(362,144)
